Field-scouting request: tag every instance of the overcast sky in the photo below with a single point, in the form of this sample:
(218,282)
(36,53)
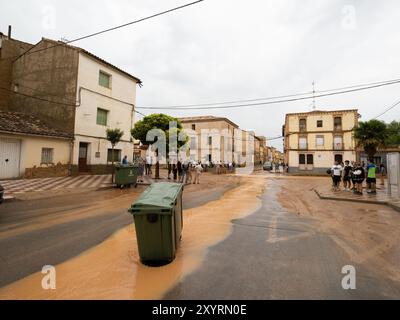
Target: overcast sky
(222,50)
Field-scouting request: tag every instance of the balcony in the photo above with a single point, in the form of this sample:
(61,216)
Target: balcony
(303,146)
(338,146)
(337,127)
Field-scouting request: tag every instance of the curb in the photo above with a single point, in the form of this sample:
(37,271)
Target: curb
(9,199)
(385,203)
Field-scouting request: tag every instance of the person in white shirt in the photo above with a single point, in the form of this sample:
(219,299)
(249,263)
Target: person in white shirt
(336,175)
(198,169)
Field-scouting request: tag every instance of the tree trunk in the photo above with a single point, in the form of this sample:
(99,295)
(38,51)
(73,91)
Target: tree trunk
(112,164)
(370,150)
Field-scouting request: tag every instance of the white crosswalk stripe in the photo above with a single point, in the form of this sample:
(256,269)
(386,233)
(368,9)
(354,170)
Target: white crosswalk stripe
(48,184)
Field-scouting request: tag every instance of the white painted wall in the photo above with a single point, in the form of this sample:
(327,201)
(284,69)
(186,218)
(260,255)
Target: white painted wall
(120,114)
(30,153)
(322,159)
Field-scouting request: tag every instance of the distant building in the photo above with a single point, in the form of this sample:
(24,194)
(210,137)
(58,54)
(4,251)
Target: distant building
(315,140)
(213,139)
(77,94)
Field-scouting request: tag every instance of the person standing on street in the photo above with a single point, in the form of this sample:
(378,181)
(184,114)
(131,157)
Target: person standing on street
(175,171)
(382,171)
(347,175)
(336,176)
(184,177)
(371,177)
(197,172)
(358,178)
(169,168)
(179,169)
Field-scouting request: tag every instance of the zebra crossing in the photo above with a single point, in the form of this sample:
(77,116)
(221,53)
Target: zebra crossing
(15,187)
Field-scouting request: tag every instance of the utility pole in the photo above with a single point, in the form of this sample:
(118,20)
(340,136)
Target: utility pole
(314,106)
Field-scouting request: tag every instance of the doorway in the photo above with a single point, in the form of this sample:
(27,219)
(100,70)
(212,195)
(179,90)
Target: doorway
(83,155)
(10,151)
(306,162)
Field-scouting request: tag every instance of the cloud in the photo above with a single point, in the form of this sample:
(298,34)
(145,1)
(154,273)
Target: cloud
(223,50)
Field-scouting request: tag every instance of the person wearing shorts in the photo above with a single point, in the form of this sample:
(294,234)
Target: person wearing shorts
(371,177)
(347,175)
(336,175)
(358,177)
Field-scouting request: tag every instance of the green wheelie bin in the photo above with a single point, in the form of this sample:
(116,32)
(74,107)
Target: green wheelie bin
(158,222)
(126,175)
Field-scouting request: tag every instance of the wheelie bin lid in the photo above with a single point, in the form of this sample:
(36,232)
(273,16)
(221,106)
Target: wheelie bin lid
(159,196)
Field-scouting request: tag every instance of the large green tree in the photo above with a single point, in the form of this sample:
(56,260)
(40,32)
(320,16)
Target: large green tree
(114,136)
(157,121)
(394,133)
(371,135)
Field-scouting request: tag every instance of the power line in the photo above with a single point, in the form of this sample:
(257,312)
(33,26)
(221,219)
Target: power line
(388,109)
(38,98)
(51,101)
(110,29)
(276,101)
(273,98)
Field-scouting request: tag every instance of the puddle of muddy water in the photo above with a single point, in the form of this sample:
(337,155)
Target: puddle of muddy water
(113,270)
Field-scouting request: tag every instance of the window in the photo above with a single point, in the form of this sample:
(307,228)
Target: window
(193,144)
(302,159)
(104,79)
(47,156)
(117,155)
(303,125)
(320,124)
(193,127)
(303,143)
(210,158)
(209,141)
(306,159)
(102,117)
(337,123)
(338,143)
(320,141)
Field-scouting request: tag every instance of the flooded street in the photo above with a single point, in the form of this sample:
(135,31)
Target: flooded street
(112,270)
(245,237)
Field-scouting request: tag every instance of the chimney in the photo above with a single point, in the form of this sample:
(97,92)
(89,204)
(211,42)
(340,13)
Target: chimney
(9,32)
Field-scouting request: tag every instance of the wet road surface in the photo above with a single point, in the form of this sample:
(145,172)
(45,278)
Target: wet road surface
(274,254)
(35,233)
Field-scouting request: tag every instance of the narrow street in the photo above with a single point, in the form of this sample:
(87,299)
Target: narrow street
(250,237)
(35,233)
(298,251)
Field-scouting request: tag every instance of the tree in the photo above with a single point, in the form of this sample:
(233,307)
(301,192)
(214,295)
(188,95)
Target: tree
(157,121)
(114,136)
(394,133)
(371,135)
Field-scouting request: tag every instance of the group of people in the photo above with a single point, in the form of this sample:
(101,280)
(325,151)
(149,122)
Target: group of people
(354,174)
(185,172)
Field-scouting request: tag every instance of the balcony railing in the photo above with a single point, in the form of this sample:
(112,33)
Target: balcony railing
(337,127)
(338,146)
(303,146)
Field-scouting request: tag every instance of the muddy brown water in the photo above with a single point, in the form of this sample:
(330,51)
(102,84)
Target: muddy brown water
(112,270)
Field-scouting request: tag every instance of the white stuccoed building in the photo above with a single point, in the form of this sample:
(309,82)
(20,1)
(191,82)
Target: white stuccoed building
(106,99)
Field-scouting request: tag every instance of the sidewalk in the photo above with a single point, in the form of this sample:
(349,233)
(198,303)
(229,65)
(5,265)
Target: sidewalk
(16,188)
(27,188)
(380,198)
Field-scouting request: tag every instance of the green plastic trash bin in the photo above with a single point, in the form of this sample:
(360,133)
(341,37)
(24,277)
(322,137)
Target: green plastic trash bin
(126,175)
(158,222)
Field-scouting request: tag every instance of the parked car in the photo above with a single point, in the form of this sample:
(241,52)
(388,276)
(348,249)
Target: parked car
(267,166)
(1,194)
